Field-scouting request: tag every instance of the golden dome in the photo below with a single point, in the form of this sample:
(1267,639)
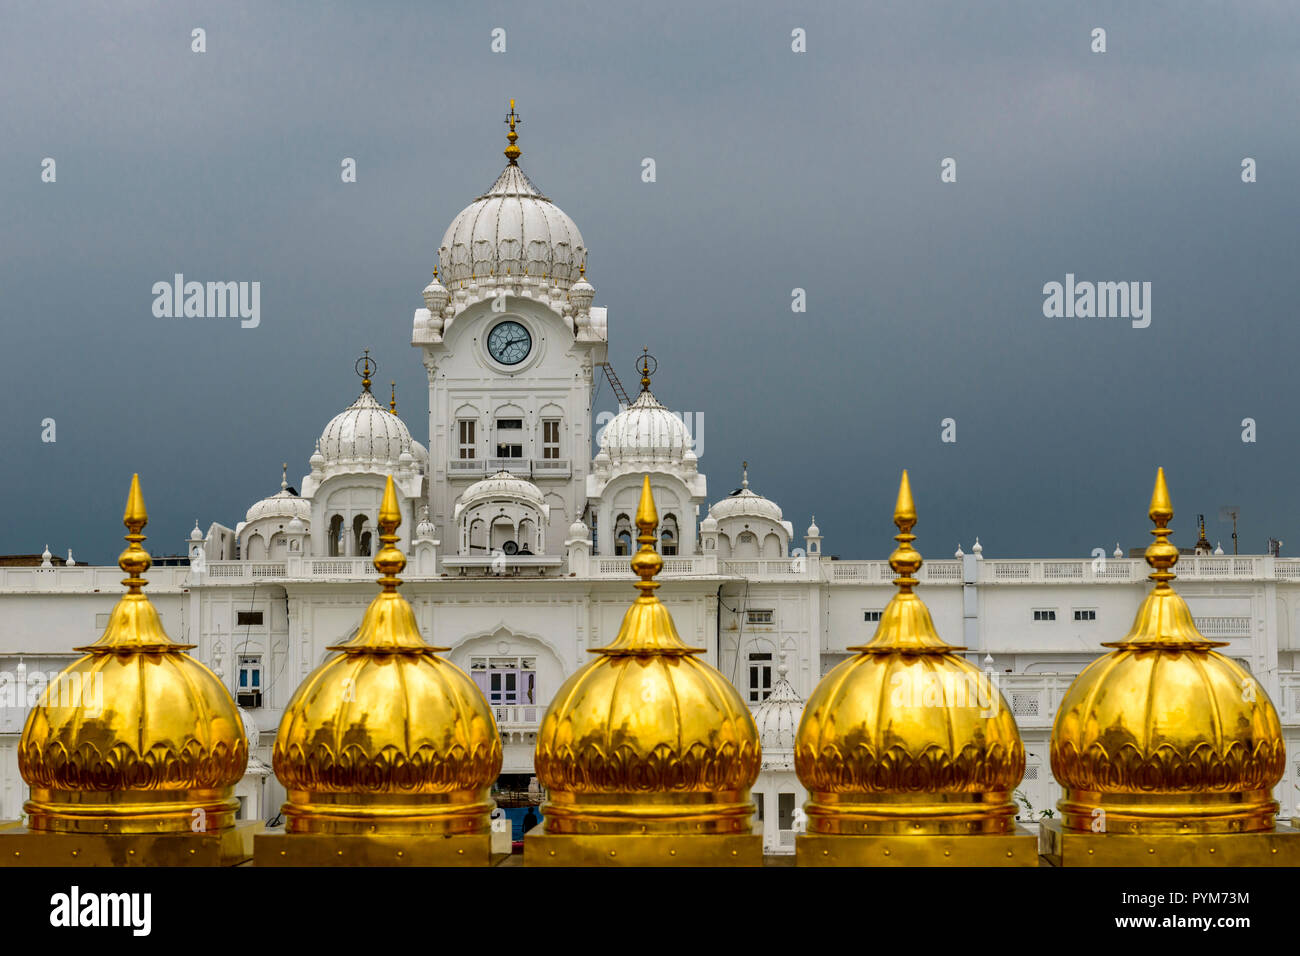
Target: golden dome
(387,737)
(907,737)
(1164,734)
(136,736)
(647,738)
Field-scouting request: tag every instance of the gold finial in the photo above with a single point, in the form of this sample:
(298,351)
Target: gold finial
(905,560)
(365,367)
(135,560)
(389,561)
(512,151)
(646,563)
(647,365)
(1161,554)
(392,401)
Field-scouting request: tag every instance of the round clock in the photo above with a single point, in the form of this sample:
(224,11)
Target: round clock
(509,343)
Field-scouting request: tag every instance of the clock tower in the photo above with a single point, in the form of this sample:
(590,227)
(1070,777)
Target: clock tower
(510,341)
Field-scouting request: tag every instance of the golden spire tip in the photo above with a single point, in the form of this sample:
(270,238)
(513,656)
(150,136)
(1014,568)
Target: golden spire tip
(389,560)
(512,151)
(390,516)
(135,517)
(646,563)
(905,507)
(1161,506)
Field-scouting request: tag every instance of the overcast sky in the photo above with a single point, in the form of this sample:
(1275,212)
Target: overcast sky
(775,170)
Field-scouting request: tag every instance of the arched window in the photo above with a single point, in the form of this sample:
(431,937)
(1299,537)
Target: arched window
(361,534)
(622,536)
(336,536)
(668,535)
(746,546)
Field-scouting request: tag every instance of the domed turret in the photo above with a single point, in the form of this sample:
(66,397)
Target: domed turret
(365,432)
(386,738)
(648,753)
(511,230)
(1164,735)
(283,505)
(645,432)
(135,737)
(907,739)
(777,719)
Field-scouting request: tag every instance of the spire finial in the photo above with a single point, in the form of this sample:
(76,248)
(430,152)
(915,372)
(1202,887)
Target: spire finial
(512,151)
(744,475)
(1161,554)
(135,560)
(905,560)
(392,401)
(647,365)
(284,480)
(389,561)
(365,367)
(646,563)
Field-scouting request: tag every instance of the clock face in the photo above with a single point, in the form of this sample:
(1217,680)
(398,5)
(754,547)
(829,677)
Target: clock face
(509,343)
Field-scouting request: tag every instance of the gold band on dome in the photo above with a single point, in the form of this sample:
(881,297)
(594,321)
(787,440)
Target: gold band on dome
(905,624)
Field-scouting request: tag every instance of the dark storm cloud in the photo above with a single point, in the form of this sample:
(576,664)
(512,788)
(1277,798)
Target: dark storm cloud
(775,171)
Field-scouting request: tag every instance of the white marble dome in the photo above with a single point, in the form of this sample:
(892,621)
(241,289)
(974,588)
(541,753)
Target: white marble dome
(511,229)
(502,486)
(365,431)
(744,503)
(646,431)
(777,719)
(282,505)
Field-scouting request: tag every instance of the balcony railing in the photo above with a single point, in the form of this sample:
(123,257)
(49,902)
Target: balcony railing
(522,467)
(515,718)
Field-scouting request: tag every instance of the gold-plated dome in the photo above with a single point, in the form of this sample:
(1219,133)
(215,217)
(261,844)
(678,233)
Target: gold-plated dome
(907,737)
(1164,734)
(647,738)
(136,736)
(386,737)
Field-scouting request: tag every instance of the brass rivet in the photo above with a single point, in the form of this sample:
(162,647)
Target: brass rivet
(191,851)
(886,852)
(1089,851)
(460,852)
(401,852)
(1211,849)
(552,853)
(1153,849)
(826,852)
(75,852)
(130,852)
(947,852)
(340,852)
(674,852)
(611,853)
(1008,853)
(283,852)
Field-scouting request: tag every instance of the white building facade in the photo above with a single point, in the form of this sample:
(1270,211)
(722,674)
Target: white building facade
(517,539)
